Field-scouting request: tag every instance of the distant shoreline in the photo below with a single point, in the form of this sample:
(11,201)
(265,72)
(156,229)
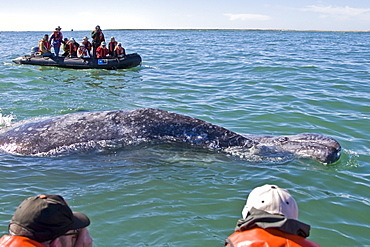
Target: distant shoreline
(210,29)
(234,29)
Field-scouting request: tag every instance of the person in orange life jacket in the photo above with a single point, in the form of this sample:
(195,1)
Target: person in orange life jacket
(102,51)
(97,37)
(270,218)
(47,220)
(72,47)
(112,44)
(65,47)
(44,46)
(119,51)
(56,39)
(87,44)
(82,51)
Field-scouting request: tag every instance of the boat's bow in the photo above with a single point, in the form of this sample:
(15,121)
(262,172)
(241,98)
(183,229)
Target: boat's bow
(18,60)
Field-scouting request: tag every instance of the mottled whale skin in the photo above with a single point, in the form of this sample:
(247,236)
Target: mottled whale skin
(105,130)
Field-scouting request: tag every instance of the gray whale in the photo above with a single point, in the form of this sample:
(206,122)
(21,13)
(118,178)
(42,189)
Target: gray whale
(106,130)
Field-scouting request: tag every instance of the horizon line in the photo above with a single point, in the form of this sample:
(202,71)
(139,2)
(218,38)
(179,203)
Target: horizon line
(207,29)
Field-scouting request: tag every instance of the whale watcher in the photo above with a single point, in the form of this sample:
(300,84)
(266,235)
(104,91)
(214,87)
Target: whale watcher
(97,38)
(65,47)
(72,47)
(87,44)
(111,46)
(47,220)
(102,51)
(119,51)
(82,51)
(270,218)
(44,46)
(56,39)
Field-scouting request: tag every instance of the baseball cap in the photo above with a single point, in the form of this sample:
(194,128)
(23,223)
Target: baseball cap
(273,200)
(48,217)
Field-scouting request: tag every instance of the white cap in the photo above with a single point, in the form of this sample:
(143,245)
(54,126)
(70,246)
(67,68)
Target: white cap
(273,200)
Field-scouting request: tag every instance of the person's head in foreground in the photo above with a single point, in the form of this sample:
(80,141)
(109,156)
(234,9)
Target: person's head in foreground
(270,218)
(47,219)
(272,199)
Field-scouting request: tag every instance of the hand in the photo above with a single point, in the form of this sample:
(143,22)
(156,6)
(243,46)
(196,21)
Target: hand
(84,239)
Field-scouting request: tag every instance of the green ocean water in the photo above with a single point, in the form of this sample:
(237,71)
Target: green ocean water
(254,82)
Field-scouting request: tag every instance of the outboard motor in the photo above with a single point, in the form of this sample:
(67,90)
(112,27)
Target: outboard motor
(34,50)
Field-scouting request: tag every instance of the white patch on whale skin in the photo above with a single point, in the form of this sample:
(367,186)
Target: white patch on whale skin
(11,148)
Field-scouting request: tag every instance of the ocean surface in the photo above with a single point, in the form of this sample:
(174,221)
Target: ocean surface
(254,82)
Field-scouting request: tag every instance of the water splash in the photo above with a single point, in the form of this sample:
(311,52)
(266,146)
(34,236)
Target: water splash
(5,121)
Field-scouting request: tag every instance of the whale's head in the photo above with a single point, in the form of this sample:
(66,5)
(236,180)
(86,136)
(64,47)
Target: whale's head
(313,146)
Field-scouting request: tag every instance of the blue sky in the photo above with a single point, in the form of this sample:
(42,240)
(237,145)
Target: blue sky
(26,15)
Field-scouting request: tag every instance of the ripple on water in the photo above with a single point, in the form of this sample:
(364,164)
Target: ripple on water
(249,82)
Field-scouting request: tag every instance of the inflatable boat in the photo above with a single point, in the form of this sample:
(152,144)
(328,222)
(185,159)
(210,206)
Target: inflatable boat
(129,61)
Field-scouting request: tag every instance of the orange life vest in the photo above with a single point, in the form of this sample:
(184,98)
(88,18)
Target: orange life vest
(83,52)
(258,237)
(99,36)
(101,52)
(72,47)
(17,241)
(57,36)
(44,46)
(112,45)
(87,44)
(120,51)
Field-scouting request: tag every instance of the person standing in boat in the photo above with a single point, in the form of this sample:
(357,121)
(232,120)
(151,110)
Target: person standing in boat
(119,51)
(44,46)
(112,44)
(82,51)
(102,51)
(56,39)
(87,44)
(72,47)
(98,37)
